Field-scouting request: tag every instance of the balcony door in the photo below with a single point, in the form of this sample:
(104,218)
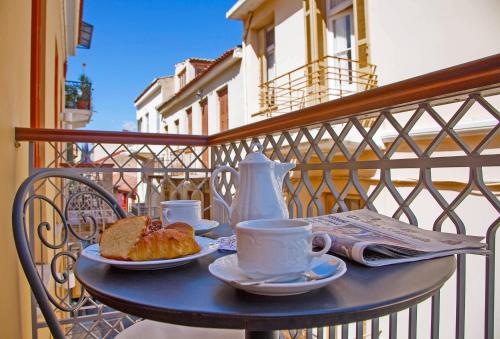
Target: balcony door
(223,109)
(204,126)
(189,115)
(204,116)
(341,45)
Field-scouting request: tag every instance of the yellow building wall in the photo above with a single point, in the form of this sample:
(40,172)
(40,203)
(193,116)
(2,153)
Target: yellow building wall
(15,15)
(54,40)
(15,59)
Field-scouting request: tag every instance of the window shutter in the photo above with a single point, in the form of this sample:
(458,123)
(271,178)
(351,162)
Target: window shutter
(363,55)
(362,41)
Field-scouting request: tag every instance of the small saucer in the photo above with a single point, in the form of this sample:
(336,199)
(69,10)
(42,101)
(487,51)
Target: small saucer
(204,225)
(227,270)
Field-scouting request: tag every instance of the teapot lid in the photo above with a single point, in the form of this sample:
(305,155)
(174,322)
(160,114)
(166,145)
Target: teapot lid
(255,155)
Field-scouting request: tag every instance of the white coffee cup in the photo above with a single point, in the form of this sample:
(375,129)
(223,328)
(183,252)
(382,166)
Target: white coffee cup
(188,211)
(271,247)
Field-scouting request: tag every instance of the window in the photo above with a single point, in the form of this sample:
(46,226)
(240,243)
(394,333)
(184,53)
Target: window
(139,125)
(176,123)
(343,35)
(341,45)
(189,115)
(223,109)
(267,64)
(269,54)
(146,120)
(182,78)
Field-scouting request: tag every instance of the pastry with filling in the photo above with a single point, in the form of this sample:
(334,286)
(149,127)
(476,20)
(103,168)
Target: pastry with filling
(140,239)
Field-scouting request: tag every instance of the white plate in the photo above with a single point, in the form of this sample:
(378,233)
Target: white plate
(204,225)
(207,245)
(227,270)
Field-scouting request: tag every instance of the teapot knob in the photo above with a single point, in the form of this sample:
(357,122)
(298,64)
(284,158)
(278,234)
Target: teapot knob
(256,145)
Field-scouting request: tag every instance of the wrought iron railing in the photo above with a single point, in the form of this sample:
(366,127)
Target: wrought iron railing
(430,156)
(322,80)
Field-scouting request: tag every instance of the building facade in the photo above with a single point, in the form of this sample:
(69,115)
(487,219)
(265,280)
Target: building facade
(148,118)
(300,53)
(208,97)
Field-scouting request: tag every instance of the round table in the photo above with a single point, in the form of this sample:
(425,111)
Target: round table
(190,295)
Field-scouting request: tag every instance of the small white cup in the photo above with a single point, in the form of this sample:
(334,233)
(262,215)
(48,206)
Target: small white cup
(188,211)
(271,247)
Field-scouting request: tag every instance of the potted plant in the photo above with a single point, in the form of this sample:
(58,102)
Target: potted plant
(85,88)
(71,95)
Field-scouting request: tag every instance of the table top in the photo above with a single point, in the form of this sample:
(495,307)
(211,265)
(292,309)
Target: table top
(190,295)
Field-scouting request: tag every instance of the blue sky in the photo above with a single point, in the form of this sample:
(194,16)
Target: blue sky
(135,41)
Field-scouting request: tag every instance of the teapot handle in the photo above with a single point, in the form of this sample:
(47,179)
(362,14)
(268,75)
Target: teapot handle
(217,196)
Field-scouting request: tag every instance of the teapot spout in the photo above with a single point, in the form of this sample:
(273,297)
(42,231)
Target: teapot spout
(281,169)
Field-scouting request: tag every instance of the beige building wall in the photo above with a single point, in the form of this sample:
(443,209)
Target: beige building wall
(55,44)
(408,38)
(148,118)
(15,61)
(15,33)
(287,18)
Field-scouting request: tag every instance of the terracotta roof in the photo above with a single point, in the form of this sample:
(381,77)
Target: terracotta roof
(155,80)
(201,60)
(197,78)
(126,183)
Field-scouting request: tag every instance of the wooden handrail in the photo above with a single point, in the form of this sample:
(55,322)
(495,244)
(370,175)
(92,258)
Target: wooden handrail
(108,137)
(468,76)
(465,77)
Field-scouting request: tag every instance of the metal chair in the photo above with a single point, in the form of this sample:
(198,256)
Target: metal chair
(68,211)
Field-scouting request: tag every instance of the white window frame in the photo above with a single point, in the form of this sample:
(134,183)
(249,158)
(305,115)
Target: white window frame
(336,13)
(341,10)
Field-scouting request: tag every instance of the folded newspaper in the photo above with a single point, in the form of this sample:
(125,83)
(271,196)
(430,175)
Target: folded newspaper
(373,239)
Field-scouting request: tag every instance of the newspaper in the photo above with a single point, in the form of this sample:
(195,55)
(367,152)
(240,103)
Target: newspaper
(373,239)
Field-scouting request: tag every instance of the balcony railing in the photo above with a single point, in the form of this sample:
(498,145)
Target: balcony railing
(78,95)
(322,80)
(430,156)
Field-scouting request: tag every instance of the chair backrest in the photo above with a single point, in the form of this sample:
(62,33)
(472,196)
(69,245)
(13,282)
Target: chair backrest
(60,227)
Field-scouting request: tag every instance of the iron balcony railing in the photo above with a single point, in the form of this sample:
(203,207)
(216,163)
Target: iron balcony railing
(322,80)
(430,157)
(78,95)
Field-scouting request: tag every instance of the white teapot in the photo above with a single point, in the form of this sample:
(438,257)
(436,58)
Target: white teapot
(258,188)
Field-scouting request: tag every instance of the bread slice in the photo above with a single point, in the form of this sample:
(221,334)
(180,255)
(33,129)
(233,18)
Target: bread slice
(118,238)
(139,239)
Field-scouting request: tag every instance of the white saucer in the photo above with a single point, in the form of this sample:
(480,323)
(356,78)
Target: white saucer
(227,270)
(204,225)
(207,245)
